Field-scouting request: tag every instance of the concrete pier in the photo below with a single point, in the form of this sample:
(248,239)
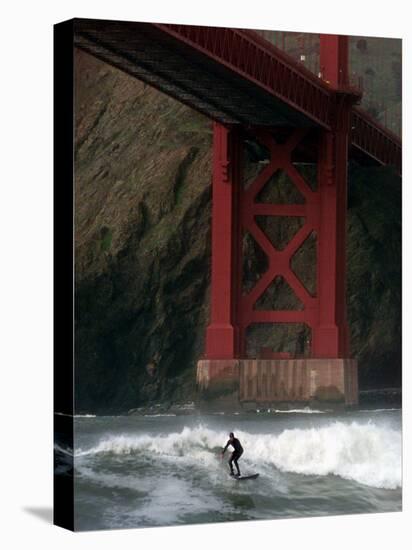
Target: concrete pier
(273,381)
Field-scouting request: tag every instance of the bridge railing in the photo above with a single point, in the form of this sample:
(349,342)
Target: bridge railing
(302,47)
(374,68)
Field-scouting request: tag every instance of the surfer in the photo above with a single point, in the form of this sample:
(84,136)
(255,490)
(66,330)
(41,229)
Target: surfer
(236,454)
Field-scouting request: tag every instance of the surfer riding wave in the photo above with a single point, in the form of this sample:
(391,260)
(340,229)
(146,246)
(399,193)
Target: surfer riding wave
(236,454)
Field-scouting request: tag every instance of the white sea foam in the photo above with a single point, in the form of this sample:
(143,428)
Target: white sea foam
(305,410)
(166,497)
(364,452)
(62,450)
(157,415)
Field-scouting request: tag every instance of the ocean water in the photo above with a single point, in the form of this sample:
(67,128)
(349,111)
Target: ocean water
(154,470)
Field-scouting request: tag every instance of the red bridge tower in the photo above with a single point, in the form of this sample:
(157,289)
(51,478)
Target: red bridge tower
(326,373)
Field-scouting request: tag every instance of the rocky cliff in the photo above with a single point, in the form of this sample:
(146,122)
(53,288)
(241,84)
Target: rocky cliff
(142,236)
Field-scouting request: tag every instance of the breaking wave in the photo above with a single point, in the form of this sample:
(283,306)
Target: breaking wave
(366,453)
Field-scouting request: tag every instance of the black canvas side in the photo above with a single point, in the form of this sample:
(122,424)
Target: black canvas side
(63,275)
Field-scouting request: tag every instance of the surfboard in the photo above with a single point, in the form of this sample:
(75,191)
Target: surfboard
(242,478)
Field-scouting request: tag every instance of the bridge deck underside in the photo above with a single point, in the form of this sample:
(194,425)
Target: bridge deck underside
(214,89)
(184,73)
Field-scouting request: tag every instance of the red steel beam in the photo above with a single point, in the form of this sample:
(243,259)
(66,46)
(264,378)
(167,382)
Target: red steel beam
(279,260)
(222,338)
(252,58)
(376,141)
(255,59)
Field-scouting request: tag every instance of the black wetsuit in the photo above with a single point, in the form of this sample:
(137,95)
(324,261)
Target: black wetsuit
(237,453)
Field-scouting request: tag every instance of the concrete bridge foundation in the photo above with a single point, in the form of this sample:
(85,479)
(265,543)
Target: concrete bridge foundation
(267,382)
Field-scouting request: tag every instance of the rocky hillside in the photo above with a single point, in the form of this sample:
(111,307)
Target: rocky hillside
(142,198)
